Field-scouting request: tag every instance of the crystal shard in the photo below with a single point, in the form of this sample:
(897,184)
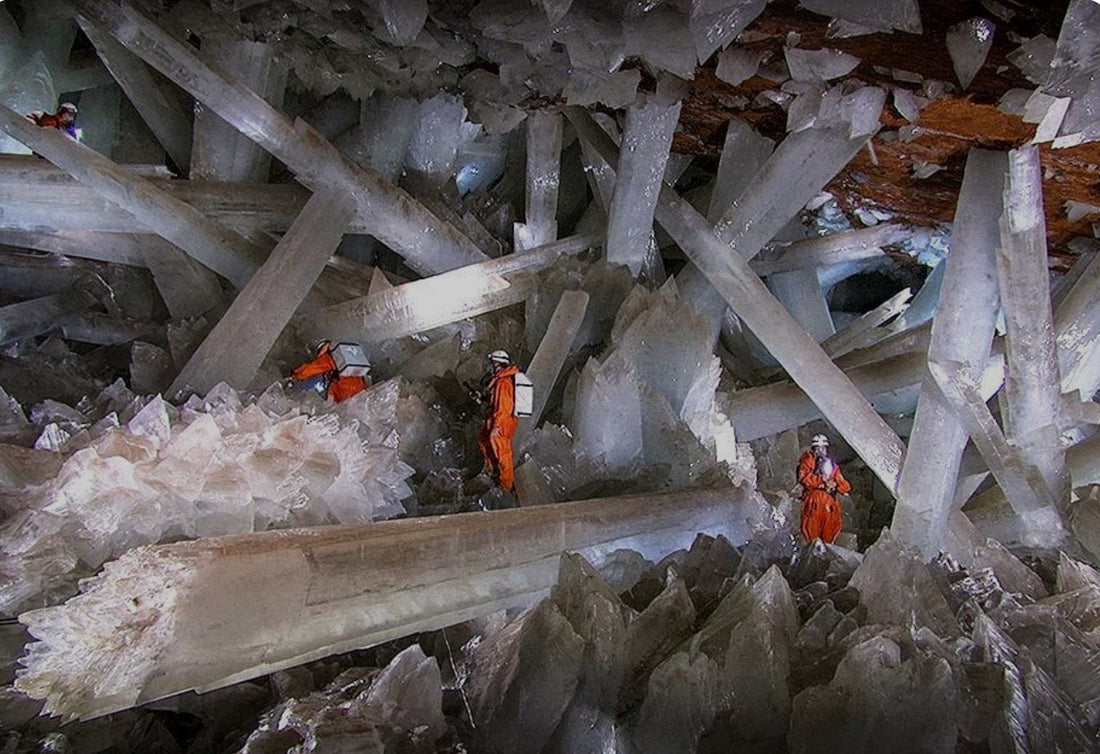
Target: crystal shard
(1072,72)
(819,65)
(714,23)
(969,43)
(897,588)
(878,699)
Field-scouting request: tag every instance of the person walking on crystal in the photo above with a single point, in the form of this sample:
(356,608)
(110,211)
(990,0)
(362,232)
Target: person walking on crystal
(63,120)
(821,481)
(326,374)
(498,395)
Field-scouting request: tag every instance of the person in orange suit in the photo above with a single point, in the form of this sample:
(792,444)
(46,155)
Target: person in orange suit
(495,440)
(63,120)
(321,375)
(821,481)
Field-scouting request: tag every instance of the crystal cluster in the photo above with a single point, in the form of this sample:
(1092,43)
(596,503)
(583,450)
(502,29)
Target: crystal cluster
(215,465)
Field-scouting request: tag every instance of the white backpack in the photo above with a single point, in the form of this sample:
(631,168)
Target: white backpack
(525,395)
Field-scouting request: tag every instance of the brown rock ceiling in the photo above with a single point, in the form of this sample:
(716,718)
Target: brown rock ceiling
(951,125)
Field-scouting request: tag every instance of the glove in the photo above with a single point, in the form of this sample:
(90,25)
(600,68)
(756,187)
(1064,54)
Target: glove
(830,487)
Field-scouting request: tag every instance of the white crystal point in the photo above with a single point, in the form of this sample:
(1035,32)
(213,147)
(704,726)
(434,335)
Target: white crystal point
(969,43)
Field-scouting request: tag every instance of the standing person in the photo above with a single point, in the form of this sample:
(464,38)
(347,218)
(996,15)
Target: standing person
(322,375)
(63,120)
(499,396)
(821,481)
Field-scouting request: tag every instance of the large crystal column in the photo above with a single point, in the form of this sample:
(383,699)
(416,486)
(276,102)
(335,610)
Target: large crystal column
(215,246)
(237,345)
(801,294)
(120,248)
(1033,405)
(205,614)
(743,154)
(839,400)
(962,331)
(546,364)
(221,152)
(164,115)
(811,253)
(543,177)
(1077,329)
(29,318)
(188,288)
(35,195)
(802,164)
(860,332)
(766,410)
(426,243)
(1021,483)
(438,300)
(638,178)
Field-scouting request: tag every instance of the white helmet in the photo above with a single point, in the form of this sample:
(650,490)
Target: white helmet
(819,440)
(67,106)
(500,357)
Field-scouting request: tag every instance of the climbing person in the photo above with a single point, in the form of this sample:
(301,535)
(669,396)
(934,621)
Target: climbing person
(63,120)
(821,481)
(507,395)
(337,372)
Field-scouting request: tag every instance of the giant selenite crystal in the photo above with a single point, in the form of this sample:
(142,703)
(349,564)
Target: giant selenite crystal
(645,148)
(962,332)
(543,177)
(233,351)
(165,619)
(403,224)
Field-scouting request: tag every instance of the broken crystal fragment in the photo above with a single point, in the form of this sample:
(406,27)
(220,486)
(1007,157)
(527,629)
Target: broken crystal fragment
(897,588)
(879,697)
(819,65)
(969,43)
(736,64)
(1034,57)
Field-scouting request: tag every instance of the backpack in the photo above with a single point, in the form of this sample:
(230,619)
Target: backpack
(525,396)
(350,360)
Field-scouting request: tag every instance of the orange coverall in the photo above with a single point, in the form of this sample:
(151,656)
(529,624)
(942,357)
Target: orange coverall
(339,388)
(495,440)
(820,510)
